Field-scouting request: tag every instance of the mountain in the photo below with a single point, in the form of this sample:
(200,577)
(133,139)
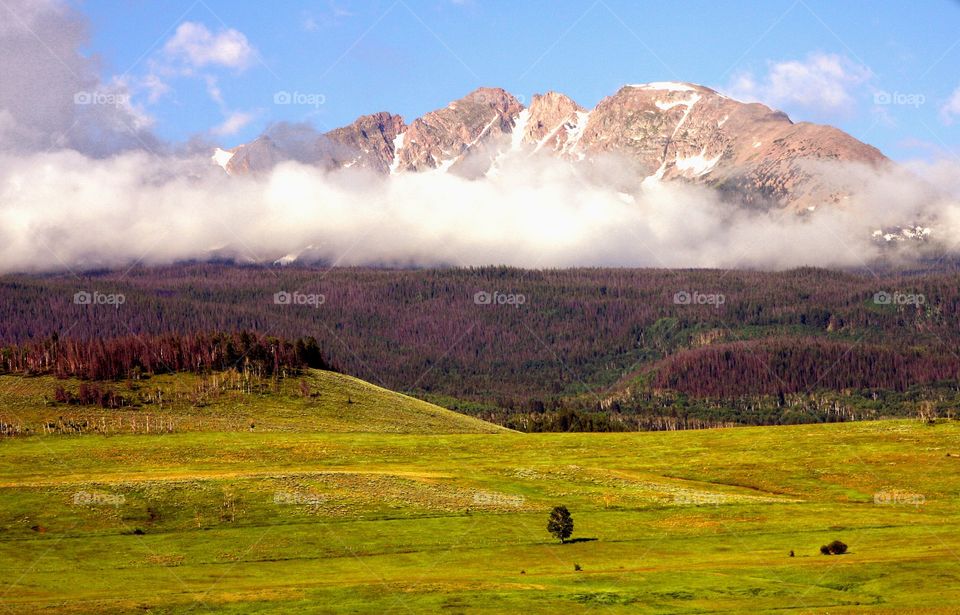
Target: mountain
(668,131)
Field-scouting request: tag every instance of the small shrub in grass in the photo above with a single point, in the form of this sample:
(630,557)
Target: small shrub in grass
(834,548)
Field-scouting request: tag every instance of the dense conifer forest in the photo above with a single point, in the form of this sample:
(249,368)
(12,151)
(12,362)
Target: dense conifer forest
(579,349)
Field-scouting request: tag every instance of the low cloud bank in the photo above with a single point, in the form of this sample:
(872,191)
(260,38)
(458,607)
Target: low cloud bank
(66,210)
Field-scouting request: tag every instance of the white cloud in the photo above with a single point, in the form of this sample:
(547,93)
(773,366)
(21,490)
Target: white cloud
(536,213)
(308,23)
(213,89)
(951,109)
(234,123)
(194,44)
(154,86)
(823,83)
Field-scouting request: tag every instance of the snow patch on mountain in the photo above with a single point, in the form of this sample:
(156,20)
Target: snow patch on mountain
(667,86)
(519,127)
(221,157)
(698,165)
(690,102)
(397,146)
(666,106)
(908,233)
(575,133)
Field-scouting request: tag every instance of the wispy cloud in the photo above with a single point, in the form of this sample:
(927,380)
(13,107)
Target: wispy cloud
(235,122)
(951,109)
(196,46)
(827,84)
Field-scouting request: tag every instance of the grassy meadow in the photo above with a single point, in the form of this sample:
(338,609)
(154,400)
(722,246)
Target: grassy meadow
(327,519)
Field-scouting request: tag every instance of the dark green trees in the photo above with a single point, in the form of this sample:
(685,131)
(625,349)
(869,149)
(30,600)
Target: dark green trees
(560,523)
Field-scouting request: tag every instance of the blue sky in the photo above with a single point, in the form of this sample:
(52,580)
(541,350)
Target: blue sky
(887,72)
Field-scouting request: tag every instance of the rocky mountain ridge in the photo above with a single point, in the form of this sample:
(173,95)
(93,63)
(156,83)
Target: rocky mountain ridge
(666,131)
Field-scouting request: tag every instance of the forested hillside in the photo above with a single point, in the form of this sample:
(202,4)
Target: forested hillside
(549,349)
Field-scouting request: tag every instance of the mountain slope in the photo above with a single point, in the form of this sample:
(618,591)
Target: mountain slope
(315,401)
(665,131)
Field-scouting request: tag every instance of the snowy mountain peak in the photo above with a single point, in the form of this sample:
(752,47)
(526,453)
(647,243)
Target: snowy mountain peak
(667,130)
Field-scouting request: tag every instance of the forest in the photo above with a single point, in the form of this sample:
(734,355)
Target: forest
(585,349)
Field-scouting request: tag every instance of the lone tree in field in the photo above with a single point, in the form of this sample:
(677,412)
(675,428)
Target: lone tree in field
(560,523)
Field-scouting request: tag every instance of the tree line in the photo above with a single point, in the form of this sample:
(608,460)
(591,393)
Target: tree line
(130,357)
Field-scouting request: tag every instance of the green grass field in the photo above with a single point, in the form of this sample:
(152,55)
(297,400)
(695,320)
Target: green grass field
(323,518)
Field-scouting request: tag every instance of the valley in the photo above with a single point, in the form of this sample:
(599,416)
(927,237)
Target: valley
(695,521)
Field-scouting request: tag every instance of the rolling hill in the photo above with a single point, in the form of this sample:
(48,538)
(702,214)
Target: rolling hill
(314,401)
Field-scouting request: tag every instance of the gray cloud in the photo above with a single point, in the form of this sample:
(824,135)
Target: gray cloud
(51,96)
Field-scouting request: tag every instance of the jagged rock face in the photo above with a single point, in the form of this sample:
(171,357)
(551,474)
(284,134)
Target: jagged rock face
(368,142)
(551,122)
(258,156)
(668,131)
(750,152)
(442,139)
